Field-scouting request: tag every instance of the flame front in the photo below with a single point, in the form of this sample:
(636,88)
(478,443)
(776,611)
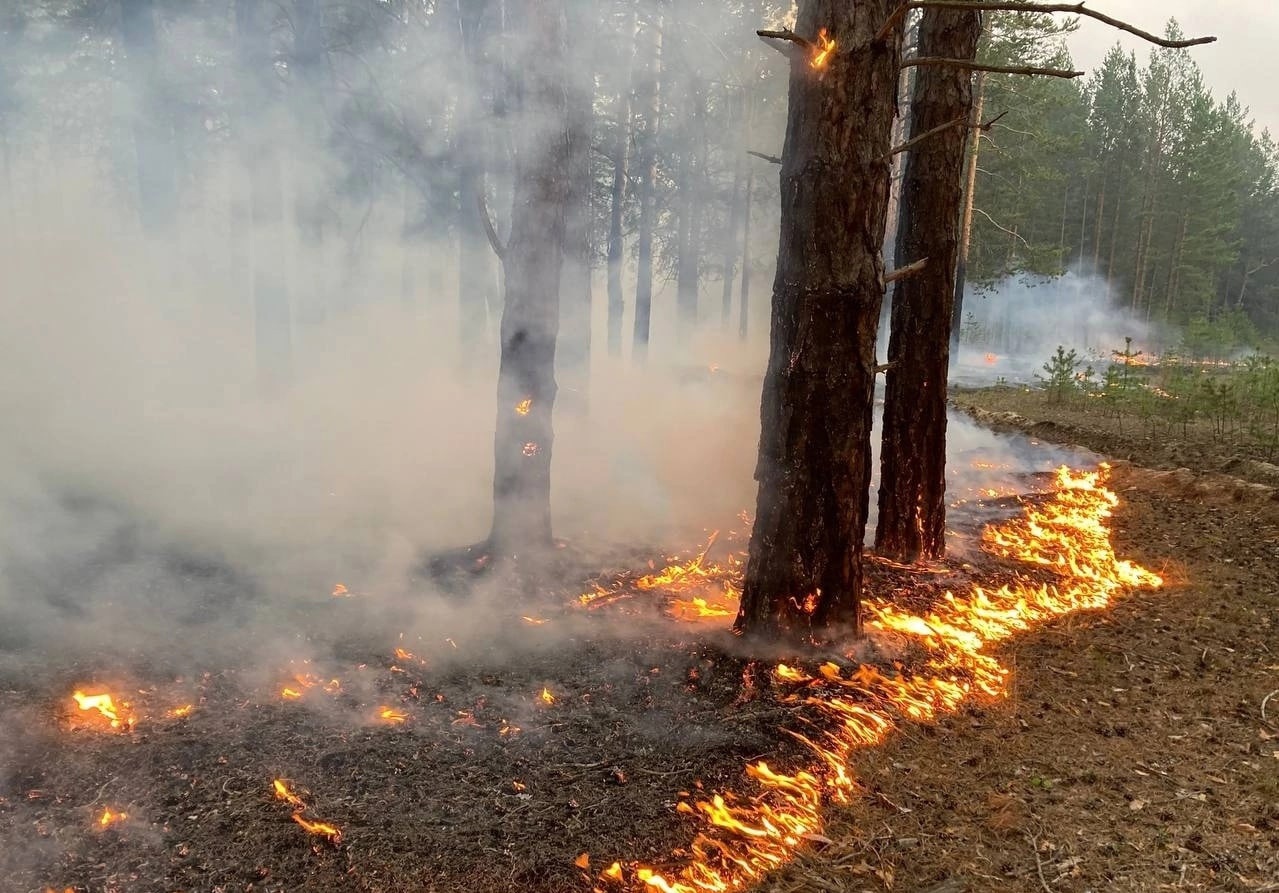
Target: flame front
(822,50)
(321,829)
(391,715)
(117,715)
(110,817)
(741,838)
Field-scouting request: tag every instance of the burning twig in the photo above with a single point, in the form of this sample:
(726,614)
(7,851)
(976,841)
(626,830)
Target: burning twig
(109,817)
(320,829)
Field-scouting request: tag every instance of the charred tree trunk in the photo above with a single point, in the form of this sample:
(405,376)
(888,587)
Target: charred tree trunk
(273,324)
(533,258)
(966,222)
(647,151)
(152,121)
(804,573)
(912,491)
(617,200)
(574,352)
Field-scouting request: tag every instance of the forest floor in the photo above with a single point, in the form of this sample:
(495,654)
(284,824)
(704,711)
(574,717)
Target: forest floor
(1132,754)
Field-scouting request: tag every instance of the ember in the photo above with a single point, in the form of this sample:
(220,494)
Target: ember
(523,407)
(180,712)
(109,818)
(340,591)
(117,715)
(391,715)
(531,449)
(547,697)
(822,50)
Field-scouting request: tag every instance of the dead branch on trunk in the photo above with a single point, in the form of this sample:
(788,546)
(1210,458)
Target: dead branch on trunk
(771,159)
(908,270)
(498,248)
(1012,232)
(788,35)
(1072,8)
(1029,71)
(942,128)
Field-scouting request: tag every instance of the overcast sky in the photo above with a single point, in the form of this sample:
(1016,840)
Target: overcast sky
(1245,57)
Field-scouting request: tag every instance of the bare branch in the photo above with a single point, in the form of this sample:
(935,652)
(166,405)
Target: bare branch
(892,22)
(997,69)
(1012,232)
(771,159)
(787,34)
(916,140)
(498,248)
(1073,8)
(906,271)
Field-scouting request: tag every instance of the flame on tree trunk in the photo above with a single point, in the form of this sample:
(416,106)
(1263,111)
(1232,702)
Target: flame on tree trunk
(912,492)
(533,258)
(805,567)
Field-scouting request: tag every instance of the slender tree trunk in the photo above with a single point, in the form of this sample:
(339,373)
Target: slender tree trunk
(690,181)
(804,573)
(533,259)
(617,198)
(475,275)
(966,221)
(152,120)
(273,324)
(574,352)
(912,489)
(730,230)
(744,299)
(647,150)
(1098,223)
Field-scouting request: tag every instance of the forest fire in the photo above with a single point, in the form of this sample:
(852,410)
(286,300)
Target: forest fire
(524,406)
(392,716)
(110,817)
(320,829)
(118,715)
(744,836)
(546,697)
(822,50)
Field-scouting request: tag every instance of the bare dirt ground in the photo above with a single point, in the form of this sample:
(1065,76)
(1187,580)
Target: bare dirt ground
(1133,754)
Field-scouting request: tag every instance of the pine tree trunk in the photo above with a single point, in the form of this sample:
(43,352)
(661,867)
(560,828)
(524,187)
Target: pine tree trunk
(744,299)
(966,222)
(912,491)
(689,186)
(647,150)
(533,259)
(730,231)
(804,573)
(617,199)
(475,272)
(574,349)
(152,122)
(273,340)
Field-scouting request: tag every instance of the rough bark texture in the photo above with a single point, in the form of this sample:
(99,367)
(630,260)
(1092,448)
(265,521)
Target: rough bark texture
(804,573)
(651,106)
(533,260)
(912,489)
(152,121)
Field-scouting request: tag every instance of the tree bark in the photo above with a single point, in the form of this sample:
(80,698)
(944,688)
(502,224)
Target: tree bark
(647,151)
(912,491)
(617,197)
(804,572)
(152,121)
(966,224)
(475,278)
(533,259)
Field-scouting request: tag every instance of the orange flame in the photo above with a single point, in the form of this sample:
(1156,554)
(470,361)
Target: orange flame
(547,697)
(183,711)
(391,715)
(282,792)
(822,50)
(744,837)
(117,715)
(109,818)
(991,359)
(534,621)
(523,407)
(340,591)
(322,829)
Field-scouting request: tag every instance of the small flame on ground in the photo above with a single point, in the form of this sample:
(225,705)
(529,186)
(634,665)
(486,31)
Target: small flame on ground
(110,817)
(583,861)
(117,715)
(534,621)
(744,837)
(822,50)
(391,715)
(282,792)
(991,359)
(523,407)
(340,591)
(322,829)
(546,696)
(183,711)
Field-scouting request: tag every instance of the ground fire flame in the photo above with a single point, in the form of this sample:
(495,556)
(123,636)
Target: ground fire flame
(744,836)
(117,715)
(320,829)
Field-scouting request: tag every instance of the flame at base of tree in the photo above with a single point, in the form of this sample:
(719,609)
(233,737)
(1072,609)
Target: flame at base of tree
(744,836)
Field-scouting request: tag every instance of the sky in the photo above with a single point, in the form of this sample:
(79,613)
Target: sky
(1243,59)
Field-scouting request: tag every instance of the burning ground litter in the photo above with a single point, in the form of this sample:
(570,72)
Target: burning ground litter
(643,754)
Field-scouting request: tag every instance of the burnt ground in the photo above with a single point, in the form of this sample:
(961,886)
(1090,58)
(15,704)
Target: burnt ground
(1132,755)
